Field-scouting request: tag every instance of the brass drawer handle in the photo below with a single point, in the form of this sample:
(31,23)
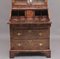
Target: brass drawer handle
(29,30)
(41,44)
(40,34)
(19,44)
(18,34)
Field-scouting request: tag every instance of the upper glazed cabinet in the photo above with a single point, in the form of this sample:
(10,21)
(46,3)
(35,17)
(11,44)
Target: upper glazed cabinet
(32,2)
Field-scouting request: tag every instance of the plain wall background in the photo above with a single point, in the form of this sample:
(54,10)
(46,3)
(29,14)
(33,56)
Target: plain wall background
(54,15)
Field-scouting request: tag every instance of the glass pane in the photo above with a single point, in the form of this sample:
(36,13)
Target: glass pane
(39,0)
(21,0)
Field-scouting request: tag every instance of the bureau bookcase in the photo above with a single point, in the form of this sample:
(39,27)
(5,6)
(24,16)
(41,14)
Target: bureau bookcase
(29,28)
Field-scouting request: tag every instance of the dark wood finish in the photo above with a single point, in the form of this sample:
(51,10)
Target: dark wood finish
(29,28)
(30,34)
(29,44)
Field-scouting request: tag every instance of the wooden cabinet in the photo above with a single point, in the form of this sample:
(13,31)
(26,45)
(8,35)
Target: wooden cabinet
(29,28)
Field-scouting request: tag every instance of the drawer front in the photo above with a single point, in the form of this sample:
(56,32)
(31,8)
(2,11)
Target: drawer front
(30,34)
(29,44)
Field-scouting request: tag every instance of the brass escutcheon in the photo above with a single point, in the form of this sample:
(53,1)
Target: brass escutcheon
(29,30)
(41,44)
(19,44)
(18,34)
(40,34)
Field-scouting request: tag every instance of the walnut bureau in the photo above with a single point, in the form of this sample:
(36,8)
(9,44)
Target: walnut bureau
(29,28)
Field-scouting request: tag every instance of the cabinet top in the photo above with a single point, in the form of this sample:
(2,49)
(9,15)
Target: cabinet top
(30,3)
(18,2)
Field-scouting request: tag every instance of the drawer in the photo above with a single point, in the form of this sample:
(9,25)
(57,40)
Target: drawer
(30,34)
(29,44)
(29,26)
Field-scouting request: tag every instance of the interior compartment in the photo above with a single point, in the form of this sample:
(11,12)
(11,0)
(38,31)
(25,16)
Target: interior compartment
(43,12)
(18,12)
